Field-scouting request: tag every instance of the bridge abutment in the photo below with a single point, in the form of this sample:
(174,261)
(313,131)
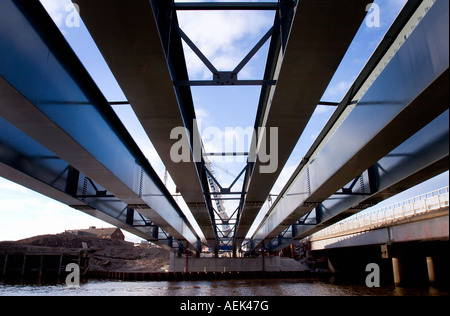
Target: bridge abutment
(259,264)
(431,271)
(397,270)
(413,263)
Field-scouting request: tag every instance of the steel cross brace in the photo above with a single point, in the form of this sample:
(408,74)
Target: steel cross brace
(49,132)
(372,175)
(226,78)
(307,220)
(225,6)
(372,179)
(225,191)
(171,38)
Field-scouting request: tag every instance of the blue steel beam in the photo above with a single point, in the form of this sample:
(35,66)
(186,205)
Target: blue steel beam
(145,55)
(28,163)
(420,158)
(374,62)
(410,92)
(189,6)
(303,60)
(52,99)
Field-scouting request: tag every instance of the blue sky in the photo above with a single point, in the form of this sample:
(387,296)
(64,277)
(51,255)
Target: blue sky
(225,38)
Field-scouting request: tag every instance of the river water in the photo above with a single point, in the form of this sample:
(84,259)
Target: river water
(253,288)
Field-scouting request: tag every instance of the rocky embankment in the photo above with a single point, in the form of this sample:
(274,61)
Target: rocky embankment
(105,254)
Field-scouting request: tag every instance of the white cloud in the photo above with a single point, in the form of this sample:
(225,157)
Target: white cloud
(57,10)
(224,37)
(390,9)
(337,90)
(203,117)
(25,213)
(283,178)
(323,109)
(11,186)
(202,114)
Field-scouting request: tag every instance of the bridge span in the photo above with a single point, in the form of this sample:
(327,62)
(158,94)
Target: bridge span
(421,218)
(61,137)
(408,232)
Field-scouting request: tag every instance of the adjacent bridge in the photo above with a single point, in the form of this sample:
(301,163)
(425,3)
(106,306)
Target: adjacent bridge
(61,137)
(414,232)
(418,219)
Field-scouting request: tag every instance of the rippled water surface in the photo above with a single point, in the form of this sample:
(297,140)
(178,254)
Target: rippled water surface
(216,288)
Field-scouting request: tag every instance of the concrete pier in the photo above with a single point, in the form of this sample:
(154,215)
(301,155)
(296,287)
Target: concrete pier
(39,263)
(260,264)
(431,271)
(397,270)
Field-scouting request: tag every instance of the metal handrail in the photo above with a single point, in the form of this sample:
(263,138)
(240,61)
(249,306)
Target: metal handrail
(421,204)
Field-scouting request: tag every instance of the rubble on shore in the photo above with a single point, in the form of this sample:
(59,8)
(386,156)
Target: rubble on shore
(105,254)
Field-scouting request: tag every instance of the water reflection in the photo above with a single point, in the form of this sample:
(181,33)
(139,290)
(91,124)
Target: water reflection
(230,288)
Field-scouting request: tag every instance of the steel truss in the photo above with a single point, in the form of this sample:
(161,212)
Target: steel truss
(50,121)
(61,137)
(170,32)
(35,167)
(391,175)
(399,167)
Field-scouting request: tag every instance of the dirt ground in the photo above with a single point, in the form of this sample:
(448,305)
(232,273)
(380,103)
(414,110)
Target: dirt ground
(105,254)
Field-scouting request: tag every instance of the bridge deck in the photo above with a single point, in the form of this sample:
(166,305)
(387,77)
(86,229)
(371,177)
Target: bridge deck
(425,206)
(128,37)
(313,54)
(59,106)
(61,137)
(425,227)
(397,98)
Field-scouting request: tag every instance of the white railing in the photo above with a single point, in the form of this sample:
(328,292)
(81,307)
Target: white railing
(434,200)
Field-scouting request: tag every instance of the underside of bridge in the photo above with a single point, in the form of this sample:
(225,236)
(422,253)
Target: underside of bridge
(60,135)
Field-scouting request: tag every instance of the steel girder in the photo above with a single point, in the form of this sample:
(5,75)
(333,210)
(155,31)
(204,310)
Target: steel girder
(145,55)
(313,53)
(171,36)
(410,92)
(420,158)
(49,96)
(278,34)
(28,163)
(226,6)
(139,34)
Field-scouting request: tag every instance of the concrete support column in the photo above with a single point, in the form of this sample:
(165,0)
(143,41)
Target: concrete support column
(331,266)
(396,267)
(5,264)
(41,268)
(431,272)
(24,265)
(172,261)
